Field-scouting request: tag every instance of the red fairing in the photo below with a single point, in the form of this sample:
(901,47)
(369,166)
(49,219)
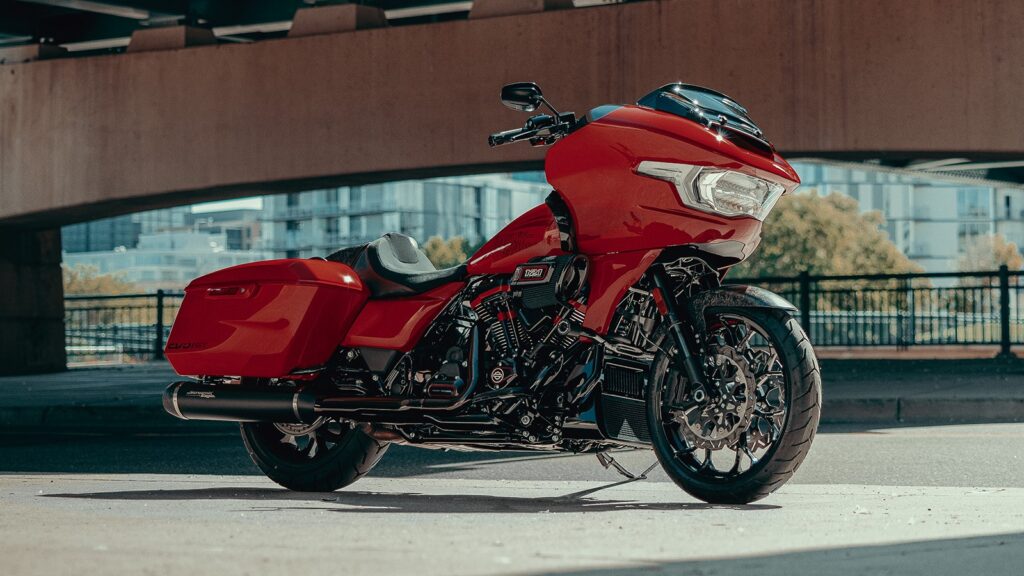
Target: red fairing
(398,323)
(532,235)
(264,319)
(610,276)
(614,209)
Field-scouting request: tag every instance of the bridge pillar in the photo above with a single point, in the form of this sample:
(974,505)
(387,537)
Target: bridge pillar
(31,302)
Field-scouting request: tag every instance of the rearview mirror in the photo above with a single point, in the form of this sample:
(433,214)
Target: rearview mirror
(522,96)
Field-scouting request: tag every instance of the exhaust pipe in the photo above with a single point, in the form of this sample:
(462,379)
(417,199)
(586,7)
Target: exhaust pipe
(194,401)
(233,403)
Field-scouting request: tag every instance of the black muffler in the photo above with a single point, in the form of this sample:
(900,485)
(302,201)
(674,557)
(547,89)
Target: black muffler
(194,401)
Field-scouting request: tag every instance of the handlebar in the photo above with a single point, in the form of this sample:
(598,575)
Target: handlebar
(499,138)
(554,128)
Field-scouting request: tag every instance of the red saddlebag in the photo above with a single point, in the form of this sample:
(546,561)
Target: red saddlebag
(264,319)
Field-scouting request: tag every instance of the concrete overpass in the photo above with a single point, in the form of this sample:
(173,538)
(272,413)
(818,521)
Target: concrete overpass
(344,98)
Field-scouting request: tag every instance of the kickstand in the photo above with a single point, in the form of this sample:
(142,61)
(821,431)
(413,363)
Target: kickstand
(608,462)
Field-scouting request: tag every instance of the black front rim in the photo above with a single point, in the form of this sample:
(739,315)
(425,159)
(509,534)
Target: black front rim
(730,427)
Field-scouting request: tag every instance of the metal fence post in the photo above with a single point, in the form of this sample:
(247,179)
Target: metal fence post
(158,342)
(1004,312)
(805,301)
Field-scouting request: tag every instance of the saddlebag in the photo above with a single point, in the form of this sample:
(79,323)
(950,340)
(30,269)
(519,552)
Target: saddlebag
(266,319)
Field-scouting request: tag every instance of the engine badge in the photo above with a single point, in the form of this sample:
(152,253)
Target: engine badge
(537,273)
(498,375)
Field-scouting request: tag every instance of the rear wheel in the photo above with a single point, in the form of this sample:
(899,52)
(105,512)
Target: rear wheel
(743,433)
(319,457)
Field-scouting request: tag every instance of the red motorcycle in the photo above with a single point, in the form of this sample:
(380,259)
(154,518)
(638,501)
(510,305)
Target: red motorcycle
(595,321)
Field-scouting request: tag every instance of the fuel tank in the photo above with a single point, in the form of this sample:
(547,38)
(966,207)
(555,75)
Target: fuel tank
(532,235)
(614,209)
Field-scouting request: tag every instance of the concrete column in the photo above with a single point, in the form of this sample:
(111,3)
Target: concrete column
(31,302)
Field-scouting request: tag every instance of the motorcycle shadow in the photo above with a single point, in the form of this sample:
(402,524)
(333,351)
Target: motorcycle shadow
(411,502)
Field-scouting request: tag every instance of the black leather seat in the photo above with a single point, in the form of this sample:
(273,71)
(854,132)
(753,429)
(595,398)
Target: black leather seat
(393,265)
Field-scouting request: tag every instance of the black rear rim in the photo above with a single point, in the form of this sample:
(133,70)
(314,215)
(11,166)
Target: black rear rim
(730,427)
(301,444)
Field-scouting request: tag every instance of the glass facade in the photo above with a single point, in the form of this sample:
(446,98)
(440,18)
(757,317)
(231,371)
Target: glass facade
(318,222)
(931,220)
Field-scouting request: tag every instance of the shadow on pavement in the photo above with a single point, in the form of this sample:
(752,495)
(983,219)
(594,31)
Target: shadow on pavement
(220,454)
(999,555)
(408,502)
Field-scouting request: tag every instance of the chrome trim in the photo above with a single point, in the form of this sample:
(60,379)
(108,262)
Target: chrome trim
(295,406)
(174,401)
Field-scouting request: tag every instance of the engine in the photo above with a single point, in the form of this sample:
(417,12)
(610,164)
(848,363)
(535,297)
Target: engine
(501,346)
(536,312)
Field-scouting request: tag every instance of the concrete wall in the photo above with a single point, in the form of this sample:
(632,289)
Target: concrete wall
(31,302)
(84,138)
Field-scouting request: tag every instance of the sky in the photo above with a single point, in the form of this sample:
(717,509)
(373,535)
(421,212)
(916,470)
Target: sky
(255,202)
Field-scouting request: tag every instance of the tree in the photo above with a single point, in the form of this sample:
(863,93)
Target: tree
(824,235)
(989,252)
(86,280)
(445,254)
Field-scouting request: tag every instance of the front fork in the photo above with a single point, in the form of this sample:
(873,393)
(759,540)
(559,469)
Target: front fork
(664,298)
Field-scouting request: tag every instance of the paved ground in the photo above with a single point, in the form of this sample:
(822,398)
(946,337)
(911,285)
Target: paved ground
(861,391)
(95,479)
(935,501)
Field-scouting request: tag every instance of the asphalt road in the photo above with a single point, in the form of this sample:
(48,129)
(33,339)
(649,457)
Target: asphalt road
(911,500)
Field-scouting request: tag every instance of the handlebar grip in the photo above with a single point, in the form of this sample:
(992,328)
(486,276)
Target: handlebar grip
(499,138)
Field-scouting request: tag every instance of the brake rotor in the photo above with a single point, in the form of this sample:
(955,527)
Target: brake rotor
(718,415)
(299,429)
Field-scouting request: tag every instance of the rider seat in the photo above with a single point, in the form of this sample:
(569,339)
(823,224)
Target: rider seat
(393,265)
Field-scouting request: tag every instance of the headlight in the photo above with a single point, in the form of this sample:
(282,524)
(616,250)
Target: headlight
(717,191)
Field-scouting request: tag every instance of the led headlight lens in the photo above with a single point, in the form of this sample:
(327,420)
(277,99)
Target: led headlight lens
(722,192)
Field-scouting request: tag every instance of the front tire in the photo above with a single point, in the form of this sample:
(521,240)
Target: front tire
(768,377)
(322,457)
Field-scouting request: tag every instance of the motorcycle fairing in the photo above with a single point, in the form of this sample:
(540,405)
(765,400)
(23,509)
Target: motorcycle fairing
(616,210)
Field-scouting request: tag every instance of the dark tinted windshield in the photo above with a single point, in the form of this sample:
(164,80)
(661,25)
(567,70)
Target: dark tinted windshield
(707,107)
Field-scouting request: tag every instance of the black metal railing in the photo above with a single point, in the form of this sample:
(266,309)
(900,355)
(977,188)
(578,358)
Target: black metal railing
(903,310)
(119,327)
(897,310)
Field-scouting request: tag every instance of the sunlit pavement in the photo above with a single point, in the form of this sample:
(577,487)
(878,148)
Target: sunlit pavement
(929,501)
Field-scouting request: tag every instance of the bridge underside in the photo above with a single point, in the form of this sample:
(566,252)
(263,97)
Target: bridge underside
(89,137)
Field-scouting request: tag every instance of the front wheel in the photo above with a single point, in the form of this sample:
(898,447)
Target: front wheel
(745,431)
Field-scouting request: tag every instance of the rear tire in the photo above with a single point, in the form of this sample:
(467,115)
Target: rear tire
(800,393)
(342,456)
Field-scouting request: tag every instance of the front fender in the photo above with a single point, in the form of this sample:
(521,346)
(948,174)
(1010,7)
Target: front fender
(734,296)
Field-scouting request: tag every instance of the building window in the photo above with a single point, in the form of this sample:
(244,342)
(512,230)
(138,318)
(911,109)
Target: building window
(292,200)
(969,231)
(973,203)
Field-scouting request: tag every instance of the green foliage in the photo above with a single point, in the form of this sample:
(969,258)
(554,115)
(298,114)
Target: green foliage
(824,235)
(987,253)
(447,253)
(86,280)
